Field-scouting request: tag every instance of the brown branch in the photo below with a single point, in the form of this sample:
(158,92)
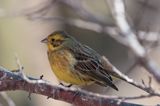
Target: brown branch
(14,81)
(19,81)
(115,72)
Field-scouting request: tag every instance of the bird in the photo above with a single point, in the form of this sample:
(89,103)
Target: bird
(75,63)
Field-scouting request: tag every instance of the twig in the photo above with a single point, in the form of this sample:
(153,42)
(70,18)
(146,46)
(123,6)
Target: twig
(20,68)
(118,11)
(115,72)
(13,81)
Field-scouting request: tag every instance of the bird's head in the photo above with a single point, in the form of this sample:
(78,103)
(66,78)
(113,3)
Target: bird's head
(57,40)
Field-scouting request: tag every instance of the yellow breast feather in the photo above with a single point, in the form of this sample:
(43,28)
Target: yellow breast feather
(62,63)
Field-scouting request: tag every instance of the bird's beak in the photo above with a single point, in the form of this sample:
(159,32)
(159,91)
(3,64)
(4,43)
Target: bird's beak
(45,40)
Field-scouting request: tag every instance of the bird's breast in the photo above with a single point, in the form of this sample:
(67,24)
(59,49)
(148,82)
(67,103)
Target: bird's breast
(62,60)
(62,63)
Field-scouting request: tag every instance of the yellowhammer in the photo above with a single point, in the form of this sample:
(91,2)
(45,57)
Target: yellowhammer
(75,63)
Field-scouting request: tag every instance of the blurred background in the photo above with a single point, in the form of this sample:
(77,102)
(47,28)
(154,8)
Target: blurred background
(24,23)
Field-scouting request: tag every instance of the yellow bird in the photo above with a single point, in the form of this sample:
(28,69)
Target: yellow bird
(75,63)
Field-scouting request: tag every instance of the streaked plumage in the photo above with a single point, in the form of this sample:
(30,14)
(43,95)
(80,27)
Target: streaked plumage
(75,63)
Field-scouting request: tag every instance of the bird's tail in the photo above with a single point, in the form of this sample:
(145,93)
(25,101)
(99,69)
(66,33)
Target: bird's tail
(107,84)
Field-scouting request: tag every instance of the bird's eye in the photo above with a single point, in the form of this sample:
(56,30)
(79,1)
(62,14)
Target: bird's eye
(52,39)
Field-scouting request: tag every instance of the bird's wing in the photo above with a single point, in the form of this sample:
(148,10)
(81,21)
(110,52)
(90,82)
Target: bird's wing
(88,63)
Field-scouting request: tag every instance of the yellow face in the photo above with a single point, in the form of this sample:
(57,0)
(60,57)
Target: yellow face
(55,40)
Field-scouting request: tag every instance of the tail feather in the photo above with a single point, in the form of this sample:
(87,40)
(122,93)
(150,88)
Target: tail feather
(108,84)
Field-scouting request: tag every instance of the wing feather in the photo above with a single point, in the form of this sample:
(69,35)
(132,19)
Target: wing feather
(88,63)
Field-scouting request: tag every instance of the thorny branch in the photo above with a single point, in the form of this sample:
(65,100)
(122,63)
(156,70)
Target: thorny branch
(19,81)
(14,81)
(144,87)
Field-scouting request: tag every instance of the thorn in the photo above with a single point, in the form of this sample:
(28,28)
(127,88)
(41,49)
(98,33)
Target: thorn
(21,68)
(41,77)
(19,63)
